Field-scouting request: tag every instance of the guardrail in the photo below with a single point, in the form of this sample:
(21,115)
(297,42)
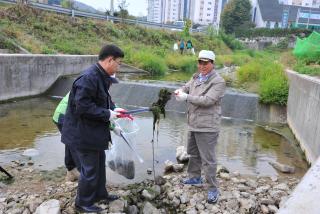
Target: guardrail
(78,13)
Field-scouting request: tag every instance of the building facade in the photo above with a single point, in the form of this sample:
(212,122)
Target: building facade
(304,3)
(203,12)
(276,14)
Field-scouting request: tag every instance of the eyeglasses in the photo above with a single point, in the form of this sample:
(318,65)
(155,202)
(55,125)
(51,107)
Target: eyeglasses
(118,62)
(204,63)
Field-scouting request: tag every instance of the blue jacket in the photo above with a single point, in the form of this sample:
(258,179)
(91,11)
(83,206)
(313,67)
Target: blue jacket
(86,123)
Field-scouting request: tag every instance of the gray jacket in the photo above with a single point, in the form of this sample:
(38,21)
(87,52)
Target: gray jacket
(204,103)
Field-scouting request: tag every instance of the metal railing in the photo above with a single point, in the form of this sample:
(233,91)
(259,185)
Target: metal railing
(78,13)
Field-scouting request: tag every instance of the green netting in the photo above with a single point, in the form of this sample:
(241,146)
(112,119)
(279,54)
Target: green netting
(308,47)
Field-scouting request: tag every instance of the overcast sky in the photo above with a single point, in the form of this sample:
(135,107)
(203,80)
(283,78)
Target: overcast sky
(136,7)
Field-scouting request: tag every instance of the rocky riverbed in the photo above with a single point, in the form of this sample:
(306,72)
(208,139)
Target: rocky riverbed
(33,191)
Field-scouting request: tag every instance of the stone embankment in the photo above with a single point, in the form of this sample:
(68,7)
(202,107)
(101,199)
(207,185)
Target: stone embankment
(39,192)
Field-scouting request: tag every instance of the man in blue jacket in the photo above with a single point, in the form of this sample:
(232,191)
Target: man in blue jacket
(86,127)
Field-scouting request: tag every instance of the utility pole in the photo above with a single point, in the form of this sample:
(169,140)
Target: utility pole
(111,8)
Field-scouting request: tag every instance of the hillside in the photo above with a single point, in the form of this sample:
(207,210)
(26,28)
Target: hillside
(44,32)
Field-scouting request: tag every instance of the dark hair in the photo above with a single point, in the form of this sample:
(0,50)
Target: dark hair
(110,50)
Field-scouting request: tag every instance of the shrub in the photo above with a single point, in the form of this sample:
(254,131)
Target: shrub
(249,72)
(274,85)
(182,63)
(151,63)
(276,32)
(47,50)
(231,41)
(272,82)
(303,68)
(234,59)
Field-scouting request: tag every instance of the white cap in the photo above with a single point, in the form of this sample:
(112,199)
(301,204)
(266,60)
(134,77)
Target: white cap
(205,55)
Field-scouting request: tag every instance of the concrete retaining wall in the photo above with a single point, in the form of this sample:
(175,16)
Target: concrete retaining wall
(303,112)
(304,197)
(24,75)
(28,75)
(234,104)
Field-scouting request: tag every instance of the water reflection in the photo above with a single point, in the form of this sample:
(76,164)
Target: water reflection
(242,146)
(21,122)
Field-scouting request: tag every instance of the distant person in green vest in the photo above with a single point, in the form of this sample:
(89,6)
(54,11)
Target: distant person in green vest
(70,160)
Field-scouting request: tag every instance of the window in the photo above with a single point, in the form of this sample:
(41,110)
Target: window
(208,14)
(209,8)
(210,2)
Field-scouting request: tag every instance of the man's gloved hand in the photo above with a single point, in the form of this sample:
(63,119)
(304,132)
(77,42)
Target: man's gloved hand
(177,91)
(120,110)
(113,115)
(122,113)
(117,130)
(180,95)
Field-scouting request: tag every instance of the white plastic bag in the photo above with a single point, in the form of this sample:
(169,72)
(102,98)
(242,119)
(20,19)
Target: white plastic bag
(120,157)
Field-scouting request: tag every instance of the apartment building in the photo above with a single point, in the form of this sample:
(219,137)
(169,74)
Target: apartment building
(202,12)
(155,11)
(173,10)
(165,11)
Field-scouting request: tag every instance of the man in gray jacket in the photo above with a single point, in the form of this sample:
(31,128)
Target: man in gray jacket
(203,94)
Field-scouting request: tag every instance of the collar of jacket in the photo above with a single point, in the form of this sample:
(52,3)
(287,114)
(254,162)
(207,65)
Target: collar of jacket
(105,75)
(210,75)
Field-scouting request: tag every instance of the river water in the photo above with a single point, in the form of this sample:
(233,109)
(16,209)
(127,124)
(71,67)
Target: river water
(243,146)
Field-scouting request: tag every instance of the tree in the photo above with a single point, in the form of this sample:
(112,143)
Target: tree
(236,15)
(186,29)
(123,11)
(67,4)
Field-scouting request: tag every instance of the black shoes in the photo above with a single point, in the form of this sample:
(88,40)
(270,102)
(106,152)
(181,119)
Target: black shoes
(88,209)
(108,199)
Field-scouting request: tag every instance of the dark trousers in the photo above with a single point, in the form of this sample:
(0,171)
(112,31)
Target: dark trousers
(181,50)
(71,160)
(92,182)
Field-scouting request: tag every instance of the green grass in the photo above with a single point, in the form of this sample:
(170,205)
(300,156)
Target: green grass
(303,68)
(267,78)
(149,49)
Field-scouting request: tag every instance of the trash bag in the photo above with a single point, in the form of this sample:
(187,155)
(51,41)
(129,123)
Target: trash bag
(120,157)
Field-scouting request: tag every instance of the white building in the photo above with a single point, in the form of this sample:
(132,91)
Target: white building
(155,11)
(205,12)
(202,12)
(173,10)
(165,11)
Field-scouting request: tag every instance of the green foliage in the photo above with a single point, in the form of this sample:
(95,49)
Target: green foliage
(307,68)
(151,62)
(238,59)
(186,29)
(7,44)
(67,3)
(123,12)
(273,84)
(274,87)
(46,50)
(182,63)
(276,32)
(211,32)
(231,41)
(249,72)
(283,44)
(235,14)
